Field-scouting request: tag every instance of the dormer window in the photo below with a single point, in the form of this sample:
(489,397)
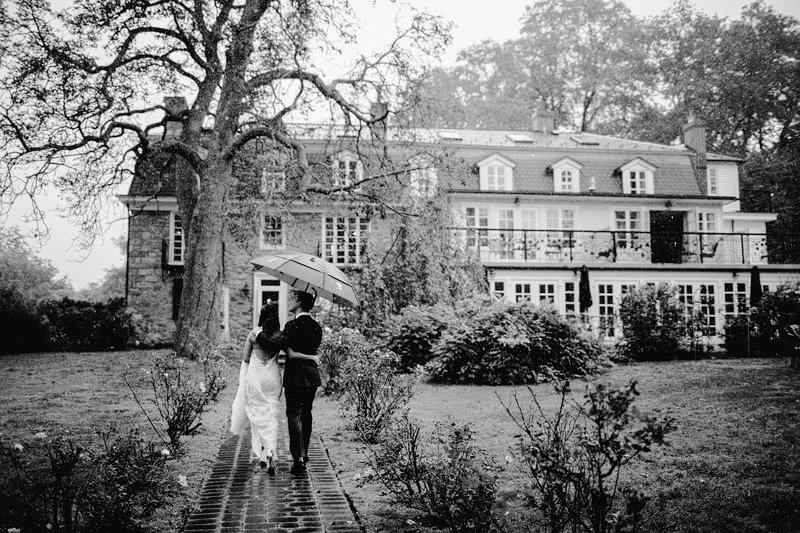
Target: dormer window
(566,175)
(496,173)
(347,169)
(637,177)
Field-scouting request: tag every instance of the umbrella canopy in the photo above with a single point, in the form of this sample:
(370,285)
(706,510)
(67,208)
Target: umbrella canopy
(309,273)
(755,287)
(584,291)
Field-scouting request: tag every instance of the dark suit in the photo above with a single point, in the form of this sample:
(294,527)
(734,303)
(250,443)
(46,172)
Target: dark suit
(300,381)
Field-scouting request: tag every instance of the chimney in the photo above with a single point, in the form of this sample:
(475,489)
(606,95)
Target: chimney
(544,121)
(175,105)
(694,138)
(379,111)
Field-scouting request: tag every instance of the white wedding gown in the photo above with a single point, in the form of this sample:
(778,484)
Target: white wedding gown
(262,388)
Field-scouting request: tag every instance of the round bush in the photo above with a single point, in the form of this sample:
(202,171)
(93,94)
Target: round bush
(414,331)
(337,348)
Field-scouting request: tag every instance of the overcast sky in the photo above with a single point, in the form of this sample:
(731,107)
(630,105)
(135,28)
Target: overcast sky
(475,20)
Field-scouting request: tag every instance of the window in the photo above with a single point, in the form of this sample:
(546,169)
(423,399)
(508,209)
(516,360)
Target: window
(637,177)
(477,217)
(570,298)
(735,299)
(713,182)
(345,239)
(708,310)
(506,224)
(566,181)
(630,222)
(606,308)
(496,173)
(423,181)
(522,292)
(272,235)
(347,170)
(559,219)
(273,179)
(176,240)
(686,298)
(547,293)
(706,222)
(499,290)
(496,178)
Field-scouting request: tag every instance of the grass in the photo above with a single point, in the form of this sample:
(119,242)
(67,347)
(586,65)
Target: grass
(75,394)
(733,464)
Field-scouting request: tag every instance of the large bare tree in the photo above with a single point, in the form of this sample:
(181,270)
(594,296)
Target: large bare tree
(81,92)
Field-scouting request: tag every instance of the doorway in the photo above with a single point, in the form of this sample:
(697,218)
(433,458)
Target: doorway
(268,289)
(666,236)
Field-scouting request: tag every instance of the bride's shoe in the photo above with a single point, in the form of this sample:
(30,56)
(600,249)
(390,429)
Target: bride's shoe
(271,466)
(264,457)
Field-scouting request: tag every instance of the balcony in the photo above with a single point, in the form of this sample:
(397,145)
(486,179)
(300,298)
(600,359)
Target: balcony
(574,246)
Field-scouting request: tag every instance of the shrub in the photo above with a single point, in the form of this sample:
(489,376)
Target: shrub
(510,344)
(573,458)
(62,485)
(653,323)
(373,393)
(415,330)
(338,347)
(21,327)
(766,336)
(86,326)
(181,392)
(450,484)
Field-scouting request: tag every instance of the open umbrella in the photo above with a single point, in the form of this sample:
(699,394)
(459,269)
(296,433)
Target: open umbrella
(309,273)
(584,291)
(755,287)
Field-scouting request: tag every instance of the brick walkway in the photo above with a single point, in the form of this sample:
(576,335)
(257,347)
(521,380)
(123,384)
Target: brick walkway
(239,496)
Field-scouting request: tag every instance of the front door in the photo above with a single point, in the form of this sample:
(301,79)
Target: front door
(666,236)
(268,289)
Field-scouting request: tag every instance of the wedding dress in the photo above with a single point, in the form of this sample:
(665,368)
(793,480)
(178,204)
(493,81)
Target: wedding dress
(259,395)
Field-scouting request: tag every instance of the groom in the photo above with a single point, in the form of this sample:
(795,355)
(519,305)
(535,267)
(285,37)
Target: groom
(301,339)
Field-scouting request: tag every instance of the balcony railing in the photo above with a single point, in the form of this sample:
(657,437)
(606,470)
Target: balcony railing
(575,246)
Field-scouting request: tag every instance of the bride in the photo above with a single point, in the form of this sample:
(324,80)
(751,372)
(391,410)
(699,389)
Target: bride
(260,385)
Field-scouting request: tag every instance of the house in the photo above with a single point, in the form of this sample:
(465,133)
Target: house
(534,206)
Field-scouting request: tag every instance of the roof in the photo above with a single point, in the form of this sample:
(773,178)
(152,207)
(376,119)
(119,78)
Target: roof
(720,157)
(600,155)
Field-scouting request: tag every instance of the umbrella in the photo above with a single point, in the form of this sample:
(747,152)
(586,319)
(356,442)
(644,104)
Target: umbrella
(755,287)
(584,292)
(308,273)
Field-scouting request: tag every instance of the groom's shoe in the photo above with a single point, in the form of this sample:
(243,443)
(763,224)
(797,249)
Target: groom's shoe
(298,468)
(305,459)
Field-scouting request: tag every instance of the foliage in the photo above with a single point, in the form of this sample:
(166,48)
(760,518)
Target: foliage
(338,347)
(373,393)
(512,344)
(449,484)
(574,457)
(767,324)
(182,391)
(112,284)
(21,269)
(413,333)
(653,323)
(85,326)
(62,485)
(21,326)
(249,68)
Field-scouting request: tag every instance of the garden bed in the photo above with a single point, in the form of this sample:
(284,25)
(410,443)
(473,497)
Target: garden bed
(732,465)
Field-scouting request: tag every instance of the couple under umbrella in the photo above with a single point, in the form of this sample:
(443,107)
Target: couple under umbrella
(260,381)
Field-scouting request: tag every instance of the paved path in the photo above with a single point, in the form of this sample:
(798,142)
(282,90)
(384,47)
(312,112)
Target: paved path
(239,496)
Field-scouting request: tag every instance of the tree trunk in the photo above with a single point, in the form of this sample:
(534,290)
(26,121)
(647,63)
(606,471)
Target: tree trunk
(200,315)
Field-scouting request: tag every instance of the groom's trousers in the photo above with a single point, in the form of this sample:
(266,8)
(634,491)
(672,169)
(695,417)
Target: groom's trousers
(299,401)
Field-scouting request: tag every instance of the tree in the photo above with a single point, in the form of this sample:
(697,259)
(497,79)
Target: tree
(20,269)
(585,59)
(112,285)
(77,108)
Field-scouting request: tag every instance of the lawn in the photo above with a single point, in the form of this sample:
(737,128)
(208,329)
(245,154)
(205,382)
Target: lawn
(732,465)
(75,394)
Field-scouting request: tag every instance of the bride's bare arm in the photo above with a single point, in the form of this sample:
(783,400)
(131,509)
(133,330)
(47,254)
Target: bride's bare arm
(299,355)
(248,348)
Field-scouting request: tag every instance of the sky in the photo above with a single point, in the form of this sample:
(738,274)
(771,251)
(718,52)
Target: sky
(474,21)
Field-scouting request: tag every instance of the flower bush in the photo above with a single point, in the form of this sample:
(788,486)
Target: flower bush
(413,333)
(763,333)
(510,344)
(373,393)
(653,323)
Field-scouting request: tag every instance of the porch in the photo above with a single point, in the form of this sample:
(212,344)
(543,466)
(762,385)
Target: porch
(584,247)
